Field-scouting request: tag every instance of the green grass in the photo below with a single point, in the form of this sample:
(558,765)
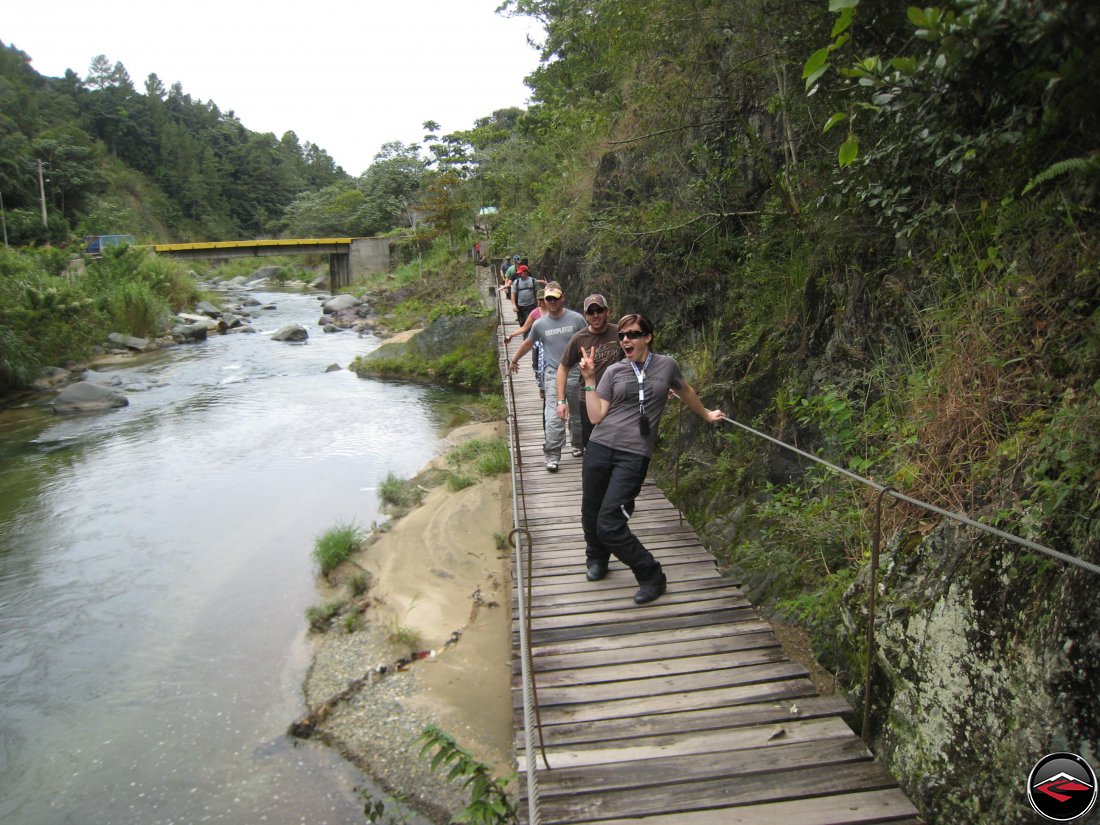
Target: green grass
(457,481)
(320,616)
(333,547)
(403,635)
(399,493)
(487,456)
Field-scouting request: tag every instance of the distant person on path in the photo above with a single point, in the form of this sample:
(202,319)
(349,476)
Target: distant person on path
(538,364)
(553,330)
(626,408)
(507,269)
(600,337)
(524,293)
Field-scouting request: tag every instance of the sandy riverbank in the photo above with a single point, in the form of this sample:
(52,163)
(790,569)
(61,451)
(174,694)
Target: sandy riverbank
(436,572)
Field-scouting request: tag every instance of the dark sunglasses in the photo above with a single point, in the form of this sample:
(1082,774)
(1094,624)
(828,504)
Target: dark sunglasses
(595,310)
(552,298)
(632,334)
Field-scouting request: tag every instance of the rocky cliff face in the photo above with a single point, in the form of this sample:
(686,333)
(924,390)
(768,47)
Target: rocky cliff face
(984,663)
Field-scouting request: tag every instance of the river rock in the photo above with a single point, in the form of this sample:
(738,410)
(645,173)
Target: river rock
(85,396)
(193,318)
(263,274)
(185,333)
(208,309)
(291,332)
(130,342)
(49,377)
(333,368)
(330,328)
(340,302)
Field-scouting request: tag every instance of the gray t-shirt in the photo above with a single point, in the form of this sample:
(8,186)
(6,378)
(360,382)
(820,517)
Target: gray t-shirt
(619,385)
(524,291)
(554,335)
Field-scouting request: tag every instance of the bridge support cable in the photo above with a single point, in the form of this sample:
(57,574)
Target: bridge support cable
(884,491)
(520,539)
(1065,558)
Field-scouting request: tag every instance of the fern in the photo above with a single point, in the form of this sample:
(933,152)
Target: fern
(1089,165)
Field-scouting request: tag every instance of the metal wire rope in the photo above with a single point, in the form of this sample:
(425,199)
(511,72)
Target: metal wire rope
(520,538)
(959,517)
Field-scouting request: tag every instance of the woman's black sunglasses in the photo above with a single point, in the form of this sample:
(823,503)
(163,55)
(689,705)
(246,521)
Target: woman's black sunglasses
(632,334)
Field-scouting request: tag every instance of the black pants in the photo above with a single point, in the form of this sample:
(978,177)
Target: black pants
(522,312)
(612,480)
(586,425)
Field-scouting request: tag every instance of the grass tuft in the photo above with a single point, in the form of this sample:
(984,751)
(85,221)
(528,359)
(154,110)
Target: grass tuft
(335,545)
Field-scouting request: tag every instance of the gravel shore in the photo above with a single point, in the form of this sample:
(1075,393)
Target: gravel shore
(437,574)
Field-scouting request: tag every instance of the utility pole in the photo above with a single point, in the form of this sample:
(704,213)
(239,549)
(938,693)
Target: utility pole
(42,195)
(3,220)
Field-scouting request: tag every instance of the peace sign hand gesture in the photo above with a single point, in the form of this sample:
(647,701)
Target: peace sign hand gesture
(588,364)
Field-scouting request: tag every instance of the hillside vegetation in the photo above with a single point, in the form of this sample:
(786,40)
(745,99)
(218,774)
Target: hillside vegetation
(871,231)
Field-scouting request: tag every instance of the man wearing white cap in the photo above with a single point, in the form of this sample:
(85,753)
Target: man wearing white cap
(554,331)
(600,337)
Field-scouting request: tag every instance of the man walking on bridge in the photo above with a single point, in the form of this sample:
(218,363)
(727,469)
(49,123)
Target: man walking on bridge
(599,336)
(554,331)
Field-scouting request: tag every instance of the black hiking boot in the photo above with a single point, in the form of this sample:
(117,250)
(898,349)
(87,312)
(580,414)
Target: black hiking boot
(650,590)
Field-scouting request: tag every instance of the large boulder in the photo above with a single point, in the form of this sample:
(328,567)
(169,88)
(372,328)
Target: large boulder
(187,333)
(341,302)
(207,308)
(130,342)
(85,396)
(291,332)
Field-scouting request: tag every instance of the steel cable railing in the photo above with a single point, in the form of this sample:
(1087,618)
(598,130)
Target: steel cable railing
(883,491)
(520,539)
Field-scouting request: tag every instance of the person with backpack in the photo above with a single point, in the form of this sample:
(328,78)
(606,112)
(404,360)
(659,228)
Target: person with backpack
(554,331)
(524,292)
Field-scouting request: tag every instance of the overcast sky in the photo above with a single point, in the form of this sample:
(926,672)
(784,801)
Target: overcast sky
(347,75)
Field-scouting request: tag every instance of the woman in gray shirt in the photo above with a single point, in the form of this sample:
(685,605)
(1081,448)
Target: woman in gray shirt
(625,409)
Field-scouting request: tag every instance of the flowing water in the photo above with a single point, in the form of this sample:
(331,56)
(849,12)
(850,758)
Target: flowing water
(155,569)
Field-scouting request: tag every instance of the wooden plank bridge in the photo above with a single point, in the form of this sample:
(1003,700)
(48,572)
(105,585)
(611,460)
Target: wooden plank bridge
(681,712)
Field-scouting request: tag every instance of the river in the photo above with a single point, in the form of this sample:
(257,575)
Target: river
(155,568)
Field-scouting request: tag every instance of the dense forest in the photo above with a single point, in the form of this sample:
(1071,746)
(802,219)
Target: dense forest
(868,229)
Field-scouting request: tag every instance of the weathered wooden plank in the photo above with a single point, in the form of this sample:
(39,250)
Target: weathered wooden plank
(646,638)
(697,766)
(659,650)
(540,636)
(619,606)
(675,684)
(649,800)
(859,808)
(762,692)
(718,741)
(680,665)
(729,716)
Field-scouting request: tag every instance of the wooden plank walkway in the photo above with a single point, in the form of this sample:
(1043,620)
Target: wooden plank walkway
(681,712)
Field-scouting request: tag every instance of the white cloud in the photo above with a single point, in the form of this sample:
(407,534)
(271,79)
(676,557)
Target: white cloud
(347,76)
